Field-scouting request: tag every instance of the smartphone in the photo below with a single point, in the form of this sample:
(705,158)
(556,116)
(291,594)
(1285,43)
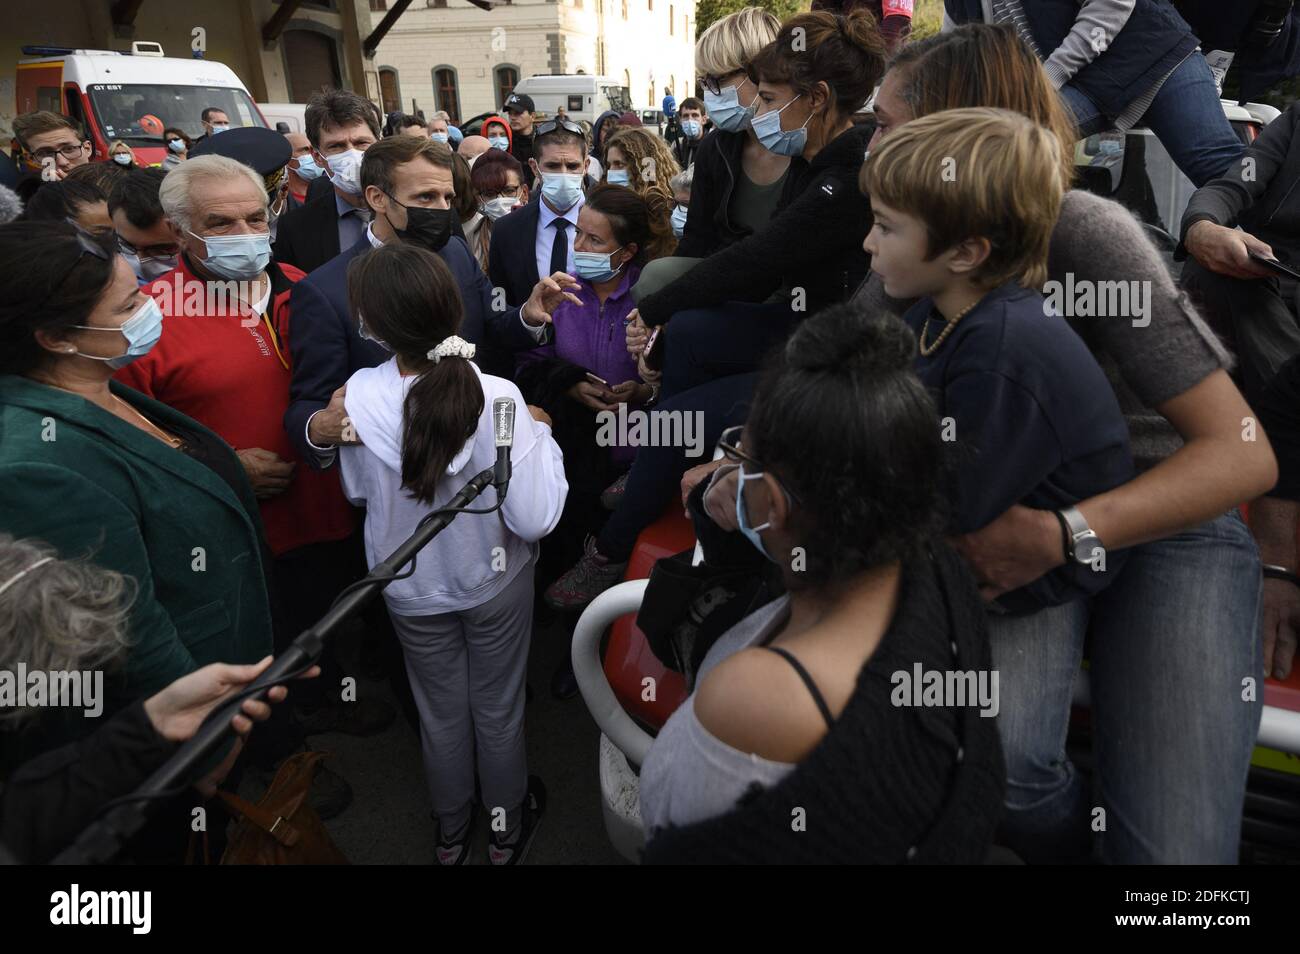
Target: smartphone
(1274,265)
(654,357)
(596,379)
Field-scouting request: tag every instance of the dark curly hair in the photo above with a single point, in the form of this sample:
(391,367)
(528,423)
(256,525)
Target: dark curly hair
(848,428)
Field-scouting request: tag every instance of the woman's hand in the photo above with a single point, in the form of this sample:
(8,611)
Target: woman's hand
(720,498)
(647,375)
(178,710)
(595,396)
(636,333)
(698,473)
(631,392)
(1015,549)
(1281,614)
(547,295)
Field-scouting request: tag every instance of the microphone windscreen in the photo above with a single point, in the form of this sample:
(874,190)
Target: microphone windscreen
(503,421)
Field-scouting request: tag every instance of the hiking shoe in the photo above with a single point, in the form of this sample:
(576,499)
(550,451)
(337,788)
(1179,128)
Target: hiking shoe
(456,851)
(501,853)
(362,717)
(585,580)
(612,494)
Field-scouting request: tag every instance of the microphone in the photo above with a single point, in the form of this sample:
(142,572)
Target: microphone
(503,426)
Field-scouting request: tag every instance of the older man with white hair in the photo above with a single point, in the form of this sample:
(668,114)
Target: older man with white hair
(222,359)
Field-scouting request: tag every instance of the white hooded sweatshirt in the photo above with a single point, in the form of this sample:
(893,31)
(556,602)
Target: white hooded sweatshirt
(476,555)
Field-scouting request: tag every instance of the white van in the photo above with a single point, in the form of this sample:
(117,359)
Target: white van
(581,95)
(293,115)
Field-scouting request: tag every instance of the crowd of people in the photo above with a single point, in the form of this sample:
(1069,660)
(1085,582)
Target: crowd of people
(232,384)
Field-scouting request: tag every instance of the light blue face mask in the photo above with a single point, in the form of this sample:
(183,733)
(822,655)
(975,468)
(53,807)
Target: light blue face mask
(237,257)
(499,142)
(742,514)
(176,145)
(439,137)
(776,140)
(307,168)
(725,110)
(691,128)
(618,177)
(142,331)
(367,336)
(219,128)
(596,266)
(679,220)
(562,189)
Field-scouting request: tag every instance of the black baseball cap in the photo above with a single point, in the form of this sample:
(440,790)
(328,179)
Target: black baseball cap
(519,103)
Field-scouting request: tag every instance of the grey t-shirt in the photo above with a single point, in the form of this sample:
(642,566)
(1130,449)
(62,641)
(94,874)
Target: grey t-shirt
(753,205)
(689,774)
(1147,359)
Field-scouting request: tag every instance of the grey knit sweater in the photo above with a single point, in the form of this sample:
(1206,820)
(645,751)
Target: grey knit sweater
(1148,360)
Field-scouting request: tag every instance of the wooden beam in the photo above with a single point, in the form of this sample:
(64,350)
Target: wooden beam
(124,12)
(275,26)
(378,33)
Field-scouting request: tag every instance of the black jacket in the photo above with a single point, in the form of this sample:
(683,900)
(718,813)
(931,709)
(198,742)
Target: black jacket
(888,784)
(512,256)
(1258,191)
(48,800)
(308,237)
(813,242)
(685,150)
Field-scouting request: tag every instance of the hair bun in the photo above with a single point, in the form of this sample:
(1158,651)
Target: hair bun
(843,338)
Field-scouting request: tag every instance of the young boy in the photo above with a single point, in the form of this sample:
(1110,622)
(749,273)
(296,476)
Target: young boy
(965,201)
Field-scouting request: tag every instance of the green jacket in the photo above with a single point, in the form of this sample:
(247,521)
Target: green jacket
(91,485)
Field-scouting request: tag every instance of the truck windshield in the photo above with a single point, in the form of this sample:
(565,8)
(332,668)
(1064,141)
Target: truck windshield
(618,98)
(138,114)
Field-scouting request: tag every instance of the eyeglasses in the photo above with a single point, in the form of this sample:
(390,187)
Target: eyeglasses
(149,251)
(512,193)
(67,152)
(87,246)
(729,442)
(558,123)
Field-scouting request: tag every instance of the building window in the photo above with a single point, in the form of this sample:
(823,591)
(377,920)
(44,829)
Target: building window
(672,17)
(446,91)
(624,9)
(378,6)
(389,92)
(652,6)
(507,80)
(435,3)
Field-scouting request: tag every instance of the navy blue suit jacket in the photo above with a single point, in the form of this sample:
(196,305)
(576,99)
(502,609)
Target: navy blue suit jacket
(512,255)
(326,347)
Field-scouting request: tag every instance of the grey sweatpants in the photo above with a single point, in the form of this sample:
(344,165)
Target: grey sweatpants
(467,673)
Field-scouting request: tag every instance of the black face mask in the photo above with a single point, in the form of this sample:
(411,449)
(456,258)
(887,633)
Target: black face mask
(427,228)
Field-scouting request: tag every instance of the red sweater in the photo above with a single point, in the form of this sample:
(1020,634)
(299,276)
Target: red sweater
(221,366)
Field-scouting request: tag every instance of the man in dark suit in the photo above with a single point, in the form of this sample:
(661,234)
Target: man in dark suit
(538,239)
(408,184)
(341,126)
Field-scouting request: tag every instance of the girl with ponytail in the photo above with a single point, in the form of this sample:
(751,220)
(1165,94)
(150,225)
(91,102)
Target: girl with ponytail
(423,427)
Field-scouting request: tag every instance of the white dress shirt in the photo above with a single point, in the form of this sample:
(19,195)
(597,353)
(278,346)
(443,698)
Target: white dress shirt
(546,235)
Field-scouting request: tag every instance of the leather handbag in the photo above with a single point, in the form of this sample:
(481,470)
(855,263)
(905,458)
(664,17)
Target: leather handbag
(282,828)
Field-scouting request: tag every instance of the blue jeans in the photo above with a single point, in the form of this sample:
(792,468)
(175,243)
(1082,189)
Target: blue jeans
(1186,116)
(1173,638)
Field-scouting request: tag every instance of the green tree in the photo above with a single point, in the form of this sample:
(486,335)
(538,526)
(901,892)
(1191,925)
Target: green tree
(708,12)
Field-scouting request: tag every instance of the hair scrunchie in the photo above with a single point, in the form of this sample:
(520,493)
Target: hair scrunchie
(452,347)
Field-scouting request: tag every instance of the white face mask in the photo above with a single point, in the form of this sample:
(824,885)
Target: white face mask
(500,206)
(345,171)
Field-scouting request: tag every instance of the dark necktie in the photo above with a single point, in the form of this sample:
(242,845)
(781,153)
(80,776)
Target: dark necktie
(559,247)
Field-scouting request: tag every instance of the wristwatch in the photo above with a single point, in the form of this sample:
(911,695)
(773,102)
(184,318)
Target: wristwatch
(1081,543)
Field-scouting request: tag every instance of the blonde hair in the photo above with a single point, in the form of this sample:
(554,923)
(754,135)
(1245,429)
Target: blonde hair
(728,45)
(976,173)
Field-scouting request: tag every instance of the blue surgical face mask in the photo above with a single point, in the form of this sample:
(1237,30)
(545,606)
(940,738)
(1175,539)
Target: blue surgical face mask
(725,110)
(237,257)
(219,128)
(776,140)
(123,158)
(596,266)
(742,514)
(618,177)
(679,220)
(691,128)
(147,269)
(439,137)
(176,145)
(499,142)
(307,168)
(562,189)
(142,331)
(367,336)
